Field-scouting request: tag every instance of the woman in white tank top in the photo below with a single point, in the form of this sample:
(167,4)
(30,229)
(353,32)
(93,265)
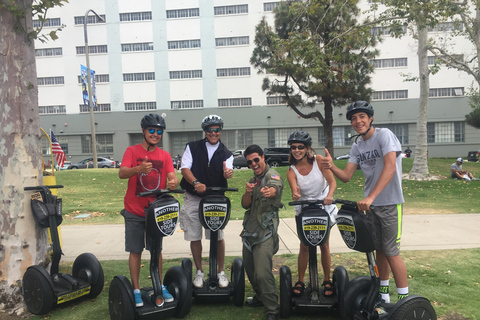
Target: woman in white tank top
(309,182)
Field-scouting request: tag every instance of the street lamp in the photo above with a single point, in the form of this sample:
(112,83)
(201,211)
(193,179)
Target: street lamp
(89,83)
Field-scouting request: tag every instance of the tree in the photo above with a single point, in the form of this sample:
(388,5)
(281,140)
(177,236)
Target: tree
(419,15)
(466,24)
(319,54)
(21,242)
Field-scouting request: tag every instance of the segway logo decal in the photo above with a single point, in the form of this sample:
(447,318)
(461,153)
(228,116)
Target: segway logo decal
(314,229)
(73,295)
(214,215)
(166,218)
(347,230)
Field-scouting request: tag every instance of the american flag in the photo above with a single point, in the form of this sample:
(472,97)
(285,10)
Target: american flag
(57,150)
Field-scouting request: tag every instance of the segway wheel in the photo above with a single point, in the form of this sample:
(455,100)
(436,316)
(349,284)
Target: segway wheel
(181,288)
(87,268)
(285,292)
(187,267)
(238,280)
(37,290)
(340,283)
(415,308)
(357,291)
(120,303)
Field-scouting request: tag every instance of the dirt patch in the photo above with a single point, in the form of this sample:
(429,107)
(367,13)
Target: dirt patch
(453,316)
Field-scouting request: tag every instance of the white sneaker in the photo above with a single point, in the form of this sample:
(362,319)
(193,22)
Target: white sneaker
(198,279)
(222,280)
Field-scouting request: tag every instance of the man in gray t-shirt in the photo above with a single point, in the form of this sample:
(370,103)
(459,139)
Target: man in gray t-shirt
(377,154)
(458,172)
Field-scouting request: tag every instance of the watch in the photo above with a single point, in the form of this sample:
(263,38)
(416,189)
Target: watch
(195,182)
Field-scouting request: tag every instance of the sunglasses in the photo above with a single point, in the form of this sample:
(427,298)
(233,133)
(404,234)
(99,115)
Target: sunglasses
(216,130)
(158,131)
(249,162)
(300,147)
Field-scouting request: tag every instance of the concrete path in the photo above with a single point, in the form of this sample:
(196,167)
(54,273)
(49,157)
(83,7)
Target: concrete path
(420,232)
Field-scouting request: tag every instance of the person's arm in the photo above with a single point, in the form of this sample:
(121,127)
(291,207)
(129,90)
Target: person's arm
(292,180)
(127,172)
(188,175)
(172,183)
(344,175)
(332,183)
(389,170)
(247,196)
(228,168)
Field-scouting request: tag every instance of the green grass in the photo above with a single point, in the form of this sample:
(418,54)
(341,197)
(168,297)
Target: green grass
(451,284)
(100,192)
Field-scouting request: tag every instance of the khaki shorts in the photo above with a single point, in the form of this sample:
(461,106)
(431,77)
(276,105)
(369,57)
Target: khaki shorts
(189,220)
(388,228)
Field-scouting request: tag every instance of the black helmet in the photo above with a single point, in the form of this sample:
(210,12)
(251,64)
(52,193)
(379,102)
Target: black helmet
(300,137)
(359,106)
(153,120)
(212,120)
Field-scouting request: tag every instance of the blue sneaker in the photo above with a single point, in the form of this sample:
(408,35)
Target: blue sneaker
(138,299)
(166,295)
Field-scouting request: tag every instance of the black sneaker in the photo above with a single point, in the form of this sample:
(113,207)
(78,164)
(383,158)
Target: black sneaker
(254,302)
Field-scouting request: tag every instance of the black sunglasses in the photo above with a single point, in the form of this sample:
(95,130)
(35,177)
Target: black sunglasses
(300,147)
(249,162)
(152,131)
(216,130)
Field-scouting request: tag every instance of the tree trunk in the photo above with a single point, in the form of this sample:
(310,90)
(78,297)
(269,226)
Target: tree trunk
(21,242)
(328,129)
(420,165)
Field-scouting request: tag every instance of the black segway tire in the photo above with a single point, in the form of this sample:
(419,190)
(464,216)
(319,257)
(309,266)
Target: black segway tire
(121,303)
(37,290)
(238,280)
(355,294)
(285,292)
(340,283)
(414,308)
(86,267)
(181,288)
(187,267)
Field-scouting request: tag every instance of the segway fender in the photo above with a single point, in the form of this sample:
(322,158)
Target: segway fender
(177,283)
(415,301)
(238,279)
(128,287)
(285,292)
(355,294)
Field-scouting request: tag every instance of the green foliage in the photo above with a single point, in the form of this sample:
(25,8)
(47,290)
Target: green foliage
(473,118)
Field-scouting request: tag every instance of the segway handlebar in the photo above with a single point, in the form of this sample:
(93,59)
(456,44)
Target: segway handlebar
(220,189)
(350,203)
(39,188)
(303,202)
(159,192)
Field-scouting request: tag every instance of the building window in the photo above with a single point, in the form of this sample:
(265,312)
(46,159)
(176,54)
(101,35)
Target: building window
(180,139)
(224,10)
(101,107)
(400,130)
(445,92)
(90,19)
(186,104)
(183,13)
(237,139)
(233,72)
(389,63)
(390,95)
(235,102)
(434,60)
(447,26)
(340,135)
(50,22)
(62,140)
(142,76)
(99,78)
(185,74)
(104,143)
(48,81)
(269,6)
(48,52)
(130,47)
(232,41)
(445,132)
(273,100)
(279,137)
(51,109)
(184,44)
(93,49)
(136,16)
(375,31)
(133,106)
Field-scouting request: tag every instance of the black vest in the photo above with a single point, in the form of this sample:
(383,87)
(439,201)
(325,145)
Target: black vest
(208,173)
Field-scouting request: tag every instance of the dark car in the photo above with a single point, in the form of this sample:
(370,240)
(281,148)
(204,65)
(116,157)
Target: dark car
(239,160)
(343,156)
(473,156)
(276,157)
(103,162)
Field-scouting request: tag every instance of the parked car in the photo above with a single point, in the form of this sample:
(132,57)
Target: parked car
(66,164)
(343,156)
(103,162)
(276,157)
(239,160)
(473,156)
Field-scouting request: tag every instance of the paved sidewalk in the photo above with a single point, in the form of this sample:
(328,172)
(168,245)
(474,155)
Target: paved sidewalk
(420,232)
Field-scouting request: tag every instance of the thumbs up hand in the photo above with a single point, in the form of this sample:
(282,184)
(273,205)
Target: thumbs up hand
(227,173)
(296,194)
(145,167)
(327,161)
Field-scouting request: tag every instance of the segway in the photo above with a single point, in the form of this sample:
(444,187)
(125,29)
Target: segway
(214,214)
(362,299)
(43,291)
(161,221)
(313,229)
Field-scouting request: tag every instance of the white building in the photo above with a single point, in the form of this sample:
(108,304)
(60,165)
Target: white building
(189,59)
